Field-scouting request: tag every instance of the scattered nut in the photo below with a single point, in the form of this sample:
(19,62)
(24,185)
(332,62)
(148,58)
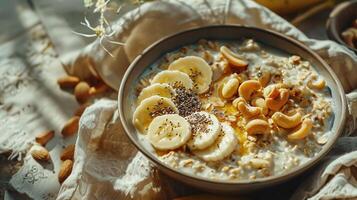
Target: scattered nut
(302,131)
(68,82)
(71,127)
(276,103)
(81,92)
(247,88)
(98,89)
(233,58)
(286,121)
(67,153)
(260,102)
(65,170)
(248,111)
(230,88)
(40,153)
(79,111)
(316,83)
(44,137)
(257,126)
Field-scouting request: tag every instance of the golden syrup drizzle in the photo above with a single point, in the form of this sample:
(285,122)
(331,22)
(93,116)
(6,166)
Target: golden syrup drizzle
(242,138)
(228,109)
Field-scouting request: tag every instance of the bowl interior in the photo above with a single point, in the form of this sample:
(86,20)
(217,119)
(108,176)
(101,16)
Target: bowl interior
(275,40)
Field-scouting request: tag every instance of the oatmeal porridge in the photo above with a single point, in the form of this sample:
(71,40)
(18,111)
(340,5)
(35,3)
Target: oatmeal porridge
(232,110)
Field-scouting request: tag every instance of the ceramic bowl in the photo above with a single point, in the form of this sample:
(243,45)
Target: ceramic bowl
(228,32)
(340,19)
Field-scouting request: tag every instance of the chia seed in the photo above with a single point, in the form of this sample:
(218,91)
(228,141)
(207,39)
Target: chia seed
(199,123)
(159,109)
(186,101)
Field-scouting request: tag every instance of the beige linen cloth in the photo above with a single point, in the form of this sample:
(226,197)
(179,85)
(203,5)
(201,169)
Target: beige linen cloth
(107,166)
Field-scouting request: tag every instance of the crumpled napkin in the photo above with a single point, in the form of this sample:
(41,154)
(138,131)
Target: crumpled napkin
(107,165)
(336,179)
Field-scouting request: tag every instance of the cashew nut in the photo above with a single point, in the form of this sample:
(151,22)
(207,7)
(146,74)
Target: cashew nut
(267,91)
(316,83)
(237,100)
(274,92)
(276,103)
(230,88)
(286,121)
(257,126)
(247,88)
(303,131)
(248,111)
(264,78)
(260,102)
(233,58)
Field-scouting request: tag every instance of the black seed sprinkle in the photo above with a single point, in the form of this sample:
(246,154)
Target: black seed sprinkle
(186,101)
(199,123)
(158,109)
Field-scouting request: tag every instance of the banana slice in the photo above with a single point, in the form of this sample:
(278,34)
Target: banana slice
(174,78)
(224,145)
(160,89)
(198,70)
(150,108)
(169,132)
(205,130)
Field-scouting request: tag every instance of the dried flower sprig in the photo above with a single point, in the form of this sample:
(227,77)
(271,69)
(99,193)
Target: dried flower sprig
(103,31)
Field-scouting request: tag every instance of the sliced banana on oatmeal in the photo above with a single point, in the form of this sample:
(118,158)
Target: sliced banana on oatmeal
(205,130)
(160,89)
(169,132)
(224,145)
(197,69)
(150,108)
(174,78)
